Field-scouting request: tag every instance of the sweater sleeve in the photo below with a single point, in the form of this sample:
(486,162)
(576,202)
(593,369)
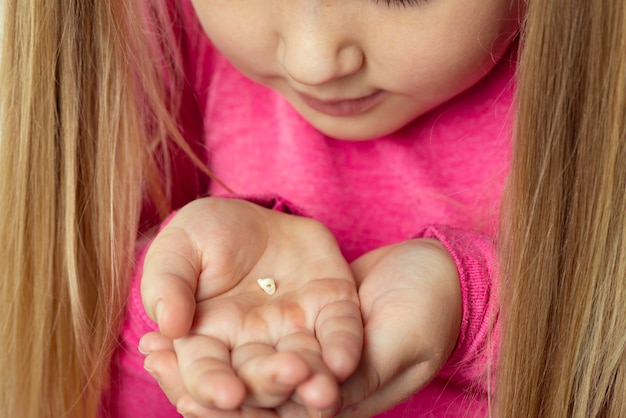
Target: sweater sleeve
(474,355)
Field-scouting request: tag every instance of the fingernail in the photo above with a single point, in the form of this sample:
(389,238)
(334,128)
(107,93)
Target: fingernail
(142,351)
(153,374)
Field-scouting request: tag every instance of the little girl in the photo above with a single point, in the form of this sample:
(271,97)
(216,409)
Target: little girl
(157,158)
(387,122)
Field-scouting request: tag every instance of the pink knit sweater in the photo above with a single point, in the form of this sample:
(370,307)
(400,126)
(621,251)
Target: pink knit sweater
(442,176)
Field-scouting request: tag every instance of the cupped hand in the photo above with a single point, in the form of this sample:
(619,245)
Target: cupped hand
(411,305)
(235,344)
(164,360)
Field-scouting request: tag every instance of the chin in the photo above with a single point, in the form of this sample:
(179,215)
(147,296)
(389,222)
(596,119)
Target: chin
(352,134)
(351,129)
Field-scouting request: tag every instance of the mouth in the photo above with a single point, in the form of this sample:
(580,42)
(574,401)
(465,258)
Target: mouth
(343,107)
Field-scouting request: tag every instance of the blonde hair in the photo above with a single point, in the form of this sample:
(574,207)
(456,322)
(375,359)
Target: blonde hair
(564,273)
(83,118)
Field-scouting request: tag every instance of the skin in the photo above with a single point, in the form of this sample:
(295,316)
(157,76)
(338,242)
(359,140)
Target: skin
(234,342)
(412,57)
(197,375)
(416,56)
(226,348)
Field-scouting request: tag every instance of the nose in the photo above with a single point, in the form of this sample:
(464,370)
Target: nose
(313,55)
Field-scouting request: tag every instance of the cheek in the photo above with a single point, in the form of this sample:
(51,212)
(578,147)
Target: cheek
(433,75)
(245,39)
(482,32)
(250,54)
(446,64)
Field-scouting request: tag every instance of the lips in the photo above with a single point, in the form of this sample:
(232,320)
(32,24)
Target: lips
(342,107)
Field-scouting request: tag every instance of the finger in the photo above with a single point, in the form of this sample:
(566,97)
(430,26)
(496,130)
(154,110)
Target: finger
(385,397)
(321,390)
(190,408)
(271,377)
(155,341)
(207,373)
(163,366)
(386,373)
(339,329)
(291,409)
(373,372)
(171,269)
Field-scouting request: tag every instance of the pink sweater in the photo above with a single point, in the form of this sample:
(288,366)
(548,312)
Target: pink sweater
(442,176)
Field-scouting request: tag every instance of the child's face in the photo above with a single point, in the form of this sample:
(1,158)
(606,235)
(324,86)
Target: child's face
(359,69)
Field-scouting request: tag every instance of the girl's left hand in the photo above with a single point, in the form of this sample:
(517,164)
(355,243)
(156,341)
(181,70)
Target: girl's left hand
(411,305)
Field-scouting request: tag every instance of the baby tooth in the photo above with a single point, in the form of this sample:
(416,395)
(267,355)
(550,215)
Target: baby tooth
(268,285)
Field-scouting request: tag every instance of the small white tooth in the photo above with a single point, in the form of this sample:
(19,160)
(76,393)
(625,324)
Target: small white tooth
(268,285)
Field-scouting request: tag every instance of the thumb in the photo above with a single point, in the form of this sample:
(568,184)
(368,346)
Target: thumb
(371,391)
(171,268)
(383,378)
(363,383)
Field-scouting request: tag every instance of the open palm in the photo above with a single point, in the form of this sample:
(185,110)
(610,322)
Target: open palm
(235,344)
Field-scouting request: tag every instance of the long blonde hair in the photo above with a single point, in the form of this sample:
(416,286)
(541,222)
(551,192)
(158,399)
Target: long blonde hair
(82,118)
(564,273)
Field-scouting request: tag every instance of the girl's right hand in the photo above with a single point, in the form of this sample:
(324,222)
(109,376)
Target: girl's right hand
(234,343)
